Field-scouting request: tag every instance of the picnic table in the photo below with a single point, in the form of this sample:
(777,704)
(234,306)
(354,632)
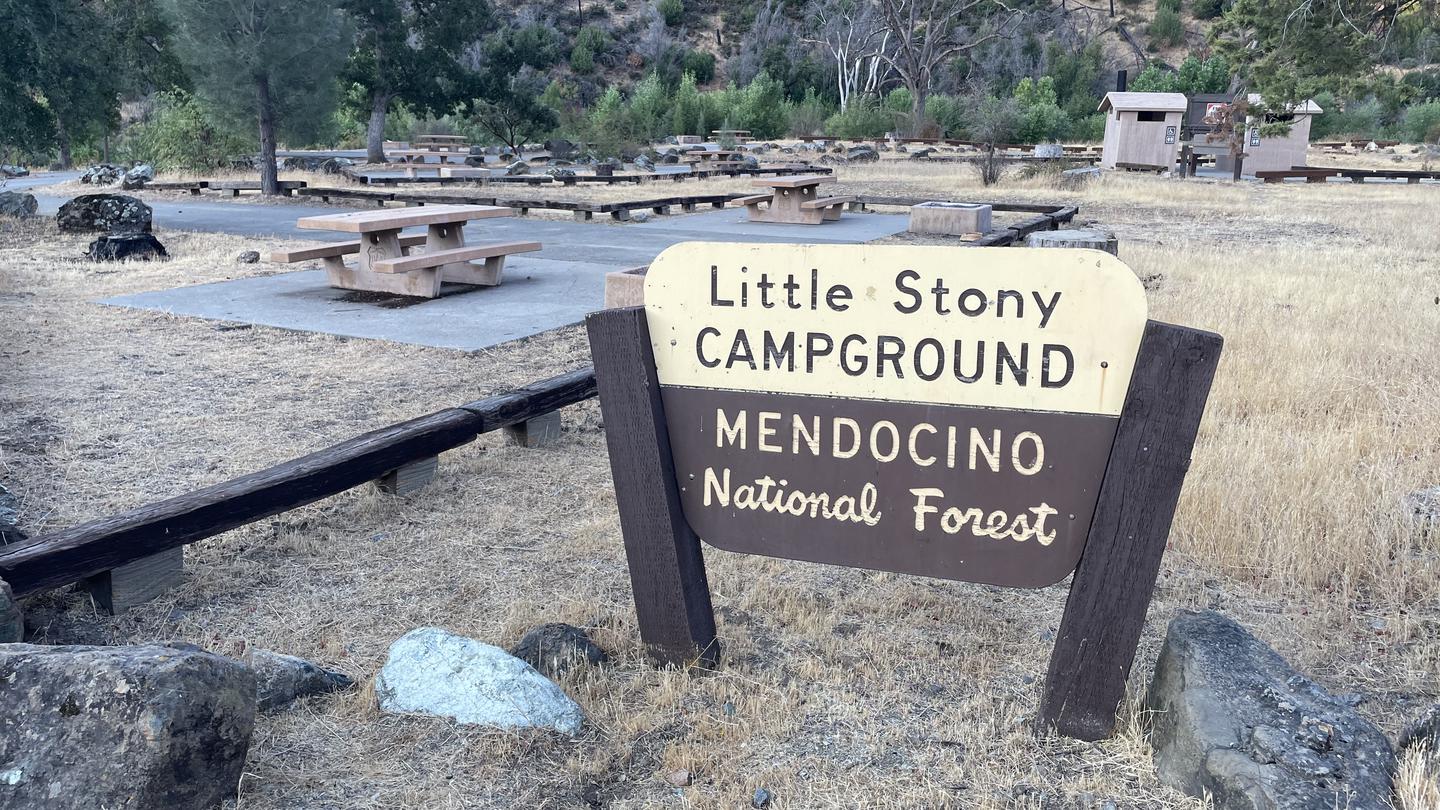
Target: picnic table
(739,135)
(713,155)
(419,155)
(442,143)
(385,260)
(793,199)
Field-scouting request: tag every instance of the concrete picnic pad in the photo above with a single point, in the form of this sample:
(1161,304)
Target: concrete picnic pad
(554,287)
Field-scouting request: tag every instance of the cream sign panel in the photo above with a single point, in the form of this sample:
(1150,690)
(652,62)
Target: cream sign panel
(930,410)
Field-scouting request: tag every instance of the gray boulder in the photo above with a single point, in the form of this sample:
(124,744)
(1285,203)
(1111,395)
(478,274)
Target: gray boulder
(922,154)
(1048,150)
(475,160)
(137,177)
(559,172)
(644,163)
(430,671)
(17,205)
(559,148)
(12,621)
(862,154)
(1424,731)
(282,679)
(119,247)
(124,728)
(8,170)
(517,168)
(102,174)
(104,212)
(248,257)
(1078,178)
(336,165)
(554,649)
(1233,720)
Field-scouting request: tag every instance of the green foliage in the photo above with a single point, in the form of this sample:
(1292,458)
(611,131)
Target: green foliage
(762,108)
(1421,123)
(582,59)
(686,112)
(610,127)
(1088,128)
(701,65)
(1207,9)
(1166,29)
(865,117)
(538,46)
(1194,76)
(180,135)
(650,108)
(899,100)
(1168,5)
(1076,76)
(808,116)
(671,11)
(511,109)
(995,120)
(1041,119)
(948,113)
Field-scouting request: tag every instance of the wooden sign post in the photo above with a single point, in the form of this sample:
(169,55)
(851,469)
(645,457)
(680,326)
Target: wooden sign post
(997,415)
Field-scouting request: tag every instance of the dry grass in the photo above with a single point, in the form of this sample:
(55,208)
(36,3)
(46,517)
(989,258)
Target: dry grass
(840,687)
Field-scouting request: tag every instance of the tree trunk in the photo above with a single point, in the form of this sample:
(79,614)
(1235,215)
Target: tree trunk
(62,139)
(375,133)
(917,109)
(269,177)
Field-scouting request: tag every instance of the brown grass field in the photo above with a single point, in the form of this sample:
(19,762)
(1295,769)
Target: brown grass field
(839,687)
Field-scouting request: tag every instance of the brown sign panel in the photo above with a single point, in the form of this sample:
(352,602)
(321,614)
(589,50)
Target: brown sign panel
(934,411)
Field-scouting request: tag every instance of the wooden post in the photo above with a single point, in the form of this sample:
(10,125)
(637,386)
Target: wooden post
(667,569)
(119,589)
(539,431)
(409,478)
(1111,591)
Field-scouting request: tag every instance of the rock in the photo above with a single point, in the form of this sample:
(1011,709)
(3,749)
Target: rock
(517,168)
(1092,238)
(125,728)
(863,154)
(559,172)
(12,621)
(1076,178)
(555,648)
(1424,731)
(1235,721)
(670,158)
(102,174)
(10,170)
(282,679)
(248,257)
(119,247)
(506,156)
(921,154)
(1372,147)
(680,778)
(750,162)
(761,799)
(1048,150)
(336,165)
(475,160)
(9,518)
(104,212)
(140,173)
(559,148)
(644,163)
(787,150)
(901,148)
(639,216)
(430,671)
(17,205)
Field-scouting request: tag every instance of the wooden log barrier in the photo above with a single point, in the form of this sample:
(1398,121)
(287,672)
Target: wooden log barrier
(107,544)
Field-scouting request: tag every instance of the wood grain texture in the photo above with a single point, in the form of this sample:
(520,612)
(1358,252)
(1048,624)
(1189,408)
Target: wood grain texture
(667,569)
(69,555)
(1113,584)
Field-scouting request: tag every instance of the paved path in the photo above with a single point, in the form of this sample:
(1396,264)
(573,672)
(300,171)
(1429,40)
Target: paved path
(555,286)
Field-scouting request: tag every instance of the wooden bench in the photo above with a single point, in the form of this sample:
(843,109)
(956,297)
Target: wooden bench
(286,187)
(1310,175)
(454,263)
(830,205)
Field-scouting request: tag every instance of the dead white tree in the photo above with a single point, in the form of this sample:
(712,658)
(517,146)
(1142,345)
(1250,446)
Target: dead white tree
(927,33)
(854,35)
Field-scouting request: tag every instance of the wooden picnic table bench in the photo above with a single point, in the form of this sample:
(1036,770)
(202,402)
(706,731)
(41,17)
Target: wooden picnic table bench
(794,199)
(386,262)
(287,187)
(419,155)
(1310,175)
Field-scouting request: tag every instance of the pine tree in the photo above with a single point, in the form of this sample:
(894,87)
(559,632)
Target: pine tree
(271,60)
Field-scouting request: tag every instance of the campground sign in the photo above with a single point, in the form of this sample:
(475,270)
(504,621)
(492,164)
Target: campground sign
(997,415)
(891,407)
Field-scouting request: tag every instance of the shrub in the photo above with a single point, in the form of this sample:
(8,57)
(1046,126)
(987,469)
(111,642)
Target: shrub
(1089,128)
(1166,28)
(948,114)
(1421,123)
(180,134)
(1207,9)
(808,117)
(762,108)
(1355,119)
(671,11)
(1041,119)
(864,118)
(699,64)
(1168,5)
(582,59)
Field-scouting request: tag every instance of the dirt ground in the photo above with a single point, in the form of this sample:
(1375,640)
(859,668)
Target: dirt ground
(839,688)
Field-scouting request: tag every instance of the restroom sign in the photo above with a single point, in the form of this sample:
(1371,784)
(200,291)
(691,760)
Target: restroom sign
(913,409)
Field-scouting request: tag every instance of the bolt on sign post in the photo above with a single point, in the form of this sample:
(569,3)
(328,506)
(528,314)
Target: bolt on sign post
(998,415)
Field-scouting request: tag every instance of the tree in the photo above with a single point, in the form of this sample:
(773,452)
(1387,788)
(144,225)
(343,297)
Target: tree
(925,34)
(275,60)
(60,86)
(1289,50)
(410,50)
(854,35)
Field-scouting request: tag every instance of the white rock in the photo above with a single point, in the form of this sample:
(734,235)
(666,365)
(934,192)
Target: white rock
(430,671)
